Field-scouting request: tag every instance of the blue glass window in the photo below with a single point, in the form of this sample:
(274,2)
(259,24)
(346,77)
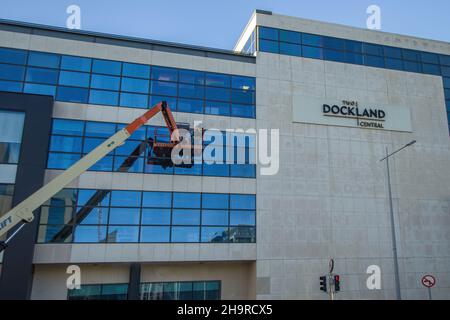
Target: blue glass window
(268,46)
(214,234)
(412,66)
(100,129)
(38,75)
(133,100)
(105,82)
(65,144)
(431,69)
(104,164)
(220,94)
(392,52)
(157,199)
(136,70)
(243,96)
(215,201)
(77,79)
(217,108)
(446,82)
(215,217)
(163,88)
(312,52)
(185,234)
(334,55)
(85,196)
(311,40)
(156,216)
(96,216)
(155,234)
(189,105)
(372,49)
(242,218)
(218,80)
(354,58)
(185,217)
(106,67)
(13,56)
(186,200)
(191,91)
(39,89)
(11,86)
(90,234)
(445,71)
(374,61)
(117,234)
(244,111)
(164,74)
(76,63)
(219,170)
(445,60)
(428,57)
(91,143)
(241,82)
(121,163)
(290,36)
(395,64)
(241,201)
(41,59)
(333,43)
(10,72)
(353,46)
(242,170)
(68,127)
(171,101)
(103,97)
(290,49)
(135,85)
(125,198)
(192,77)
(124,215)
(268,33)
(61,160)
(411,55)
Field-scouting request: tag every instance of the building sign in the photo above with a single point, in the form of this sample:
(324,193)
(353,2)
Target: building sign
(351,113)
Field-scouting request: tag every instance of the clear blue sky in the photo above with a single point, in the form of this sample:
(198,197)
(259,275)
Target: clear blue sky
(218,24)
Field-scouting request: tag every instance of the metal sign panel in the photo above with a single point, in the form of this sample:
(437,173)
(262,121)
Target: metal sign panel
(351,113)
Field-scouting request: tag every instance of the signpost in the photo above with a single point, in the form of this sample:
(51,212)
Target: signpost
(330,278)
(428,281)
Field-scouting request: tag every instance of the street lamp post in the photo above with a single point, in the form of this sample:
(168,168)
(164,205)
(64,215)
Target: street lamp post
(391,207)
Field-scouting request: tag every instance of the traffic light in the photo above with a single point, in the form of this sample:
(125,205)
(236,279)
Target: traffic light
(337,283)
(323,283)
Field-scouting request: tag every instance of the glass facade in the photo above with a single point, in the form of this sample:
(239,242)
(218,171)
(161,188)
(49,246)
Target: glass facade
(11,129)
(115,83)
(115,216)
(348,51)
(71,139)
(99,292)
(186,290)
(6,197)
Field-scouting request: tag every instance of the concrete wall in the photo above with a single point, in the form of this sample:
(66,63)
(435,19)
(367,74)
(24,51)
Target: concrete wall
(236,277)
(49,282)
(329,198)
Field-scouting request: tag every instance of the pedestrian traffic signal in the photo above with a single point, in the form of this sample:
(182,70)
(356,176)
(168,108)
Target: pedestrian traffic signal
(323,283)
(337,283)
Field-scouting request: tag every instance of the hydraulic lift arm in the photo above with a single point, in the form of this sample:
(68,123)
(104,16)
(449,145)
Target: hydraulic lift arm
(23,212)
